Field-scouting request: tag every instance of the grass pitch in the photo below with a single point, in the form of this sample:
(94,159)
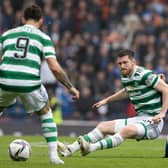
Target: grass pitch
(131,154)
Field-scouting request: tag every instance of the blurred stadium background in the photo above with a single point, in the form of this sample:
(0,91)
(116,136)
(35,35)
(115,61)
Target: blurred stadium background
(87,34)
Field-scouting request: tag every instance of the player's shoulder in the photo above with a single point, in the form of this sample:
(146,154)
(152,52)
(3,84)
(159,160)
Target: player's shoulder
(141,71)
(44,35)
(35,31)
(13,30)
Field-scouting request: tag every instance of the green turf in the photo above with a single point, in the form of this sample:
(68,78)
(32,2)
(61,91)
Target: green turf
(131,154)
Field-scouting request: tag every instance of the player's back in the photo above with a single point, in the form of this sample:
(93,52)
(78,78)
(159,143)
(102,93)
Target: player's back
(22,51)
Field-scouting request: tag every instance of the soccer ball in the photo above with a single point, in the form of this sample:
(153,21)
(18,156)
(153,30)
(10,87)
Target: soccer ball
(19,150)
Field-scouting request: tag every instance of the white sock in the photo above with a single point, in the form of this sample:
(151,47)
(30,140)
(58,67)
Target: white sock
(52,146)
(74,146)
(93,136)
(108,142)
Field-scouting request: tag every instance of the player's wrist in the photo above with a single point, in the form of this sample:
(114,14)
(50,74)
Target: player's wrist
(71,88)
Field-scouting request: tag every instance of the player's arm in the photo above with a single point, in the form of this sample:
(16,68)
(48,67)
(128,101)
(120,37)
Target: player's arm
(61,76)
(121,94)
(163,88)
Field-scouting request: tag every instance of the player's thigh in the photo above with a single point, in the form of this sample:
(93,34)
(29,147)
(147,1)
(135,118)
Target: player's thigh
(35,100)
(7,98)
(106,127)
(146,129)
(120,123)
(152,130)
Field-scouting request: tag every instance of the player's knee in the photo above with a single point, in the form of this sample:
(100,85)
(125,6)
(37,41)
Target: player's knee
(129,131)
(100,125)
(106,127)
(45,109)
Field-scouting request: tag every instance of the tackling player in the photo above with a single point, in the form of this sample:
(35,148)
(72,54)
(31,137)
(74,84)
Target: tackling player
(146,91)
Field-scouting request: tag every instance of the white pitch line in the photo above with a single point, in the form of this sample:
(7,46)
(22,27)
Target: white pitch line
(39,144)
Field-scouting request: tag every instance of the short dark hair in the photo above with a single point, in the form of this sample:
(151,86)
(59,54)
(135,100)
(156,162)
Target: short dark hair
(33,12)
(125,52)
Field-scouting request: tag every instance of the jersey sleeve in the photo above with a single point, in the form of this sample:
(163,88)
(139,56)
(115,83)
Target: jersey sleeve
(49,49)
(150,79)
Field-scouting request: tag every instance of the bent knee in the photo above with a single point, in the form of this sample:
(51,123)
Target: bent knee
(101,125)
(44,110)
(129,131)
(106,127)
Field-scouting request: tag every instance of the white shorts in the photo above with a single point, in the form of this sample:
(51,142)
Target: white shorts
(146,129)
(34,101)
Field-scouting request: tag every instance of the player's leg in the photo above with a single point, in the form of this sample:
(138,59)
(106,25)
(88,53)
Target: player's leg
(49,130)
(138,129)
(166,147)
(102,129)
(166,144)
(109,141)
(38,101)
(6,99)
(68,150)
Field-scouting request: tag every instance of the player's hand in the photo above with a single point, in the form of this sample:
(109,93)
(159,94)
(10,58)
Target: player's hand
(98,104)
(157,118)
(75,93)
(162,76)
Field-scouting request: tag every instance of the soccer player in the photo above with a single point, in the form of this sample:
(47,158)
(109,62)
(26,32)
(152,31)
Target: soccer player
(23,49)
(146,91)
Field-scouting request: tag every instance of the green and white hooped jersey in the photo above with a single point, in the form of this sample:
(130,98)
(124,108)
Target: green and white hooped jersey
(22,51)
(140,87)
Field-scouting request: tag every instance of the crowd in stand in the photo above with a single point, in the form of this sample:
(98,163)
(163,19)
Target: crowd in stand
(87,35)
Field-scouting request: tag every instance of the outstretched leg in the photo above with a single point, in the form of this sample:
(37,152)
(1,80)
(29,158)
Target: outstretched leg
(93,136)
(68,150)
(110,141)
